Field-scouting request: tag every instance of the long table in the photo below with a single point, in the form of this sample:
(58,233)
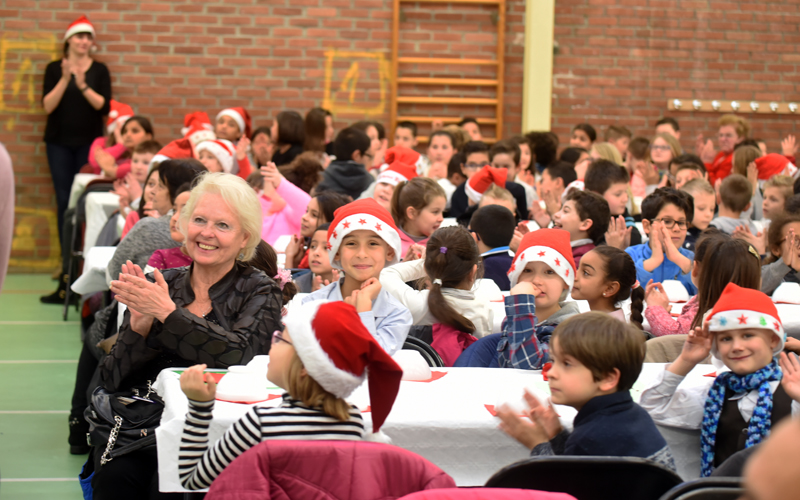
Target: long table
(445,420)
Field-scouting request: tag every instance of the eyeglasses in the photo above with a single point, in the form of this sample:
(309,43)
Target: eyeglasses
(277,338)
(659,147)
(670,223)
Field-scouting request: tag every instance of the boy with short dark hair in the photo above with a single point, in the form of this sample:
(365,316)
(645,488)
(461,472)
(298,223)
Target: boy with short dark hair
(619,137)
(555,179)
(492,227)
(585,216)
(506,154)
(348,173)
(610,181)
(734,197)
(595,361)
(687,172)
(668,125)
(471,126)
(405,134)
(666,215)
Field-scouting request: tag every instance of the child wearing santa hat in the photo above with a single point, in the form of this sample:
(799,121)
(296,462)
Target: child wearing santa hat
(401,167)
(541,275)
(319,359)
(217,155)
(362,240)
(111,155)
(234,125)
(737,409)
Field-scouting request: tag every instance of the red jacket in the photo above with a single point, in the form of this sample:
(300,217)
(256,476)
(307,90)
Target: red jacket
(720,167)
(487,494)
(355,470)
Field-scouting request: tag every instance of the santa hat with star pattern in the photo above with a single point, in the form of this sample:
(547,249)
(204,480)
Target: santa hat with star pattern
(550,246)
(337,350)
(740,308)
(363,214)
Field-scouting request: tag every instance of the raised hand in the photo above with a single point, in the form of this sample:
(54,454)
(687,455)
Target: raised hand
(294,252)
(538,214)
(318,282)
(789,146)
(618,235)
(752,176)
(198,386)
(790,366)
(655,296)
(107,162)
(757,240)
(271,176)
(414,252)
(695,350)
(133,186)
(242,147)
(705,149)
(544,415)
(673,253)
(648,173)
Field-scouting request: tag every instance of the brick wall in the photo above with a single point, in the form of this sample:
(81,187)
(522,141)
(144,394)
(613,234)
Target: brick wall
(619,62)
(170,57)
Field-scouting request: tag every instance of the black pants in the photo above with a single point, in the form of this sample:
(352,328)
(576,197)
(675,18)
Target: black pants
(130,477)
(87,365)
(65,162)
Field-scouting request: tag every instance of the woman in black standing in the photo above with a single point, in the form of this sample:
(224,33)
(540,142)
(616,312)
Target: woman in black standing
(76,96)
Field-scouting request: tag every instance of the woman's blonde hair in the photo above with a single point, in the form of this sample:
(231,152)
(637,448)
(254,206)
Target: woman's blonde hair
(744,156)
(741,125)
(608,151)
(672,142)
(308,390)
(238,195)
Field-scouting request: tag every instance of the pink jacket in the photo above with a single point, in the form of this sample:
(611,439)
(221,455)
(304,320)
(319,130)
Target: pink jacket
(661,322)
(486,494)
(406,241)
(286,220)
(322,470)
(117,150)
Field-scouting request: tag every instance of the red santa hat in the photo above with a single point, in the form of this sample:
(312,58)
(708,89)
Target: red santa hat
(740,308)
(774,164)
(177,149)
(550,246)
(240,116)
(223,151)
(485,177)
(117,115)
(197,127)
(337,350)
(362,214)
(80,25)
(396,173)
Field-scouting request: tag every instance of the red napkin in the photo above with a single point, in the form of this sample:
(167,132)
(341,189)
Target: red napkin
(490,409)
(545,369)
(217,376)
(368,409)
(269,398)
(712,374)
(434,376)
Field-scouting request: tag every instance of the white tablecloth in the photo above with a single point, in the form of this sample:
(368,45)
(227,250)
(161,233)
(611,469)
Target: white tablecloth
(79,184)
(444,421)
(93,278)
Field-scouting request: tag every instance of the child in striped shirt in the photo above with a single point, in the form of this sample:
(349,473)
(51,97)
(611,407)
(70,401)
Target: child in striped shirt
(319,359)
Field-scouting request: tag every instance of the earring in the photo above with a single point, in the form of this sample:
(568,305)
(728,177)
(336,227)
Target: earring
(241,256)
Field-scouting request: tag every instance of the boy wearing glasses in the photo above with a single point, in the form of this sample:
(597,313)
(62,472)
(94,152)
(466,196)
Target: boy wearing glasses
(666,215)
(734,197)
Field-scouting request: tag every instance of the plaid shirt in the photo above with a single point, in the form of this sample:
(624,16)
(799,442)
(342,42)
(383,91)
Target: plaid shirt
(523,345)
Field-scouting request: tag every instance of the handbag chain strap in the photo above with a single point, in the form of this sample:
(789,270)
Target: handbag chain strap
(112,440)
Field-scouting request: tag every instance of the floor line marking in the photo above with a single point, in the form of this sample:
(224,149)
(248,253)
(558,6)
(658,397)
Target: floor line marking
(34,412)
(36,479)
(43,323)
(35,361)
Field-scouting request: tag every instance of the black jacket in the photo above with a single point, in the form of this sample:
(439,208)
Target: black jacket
(246,310)
(459,203)
(346,177)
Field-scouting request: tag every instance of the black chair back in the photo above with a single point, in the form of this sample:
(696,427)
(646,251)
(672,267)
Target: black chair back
(589,478)
(708,488)
(428,353)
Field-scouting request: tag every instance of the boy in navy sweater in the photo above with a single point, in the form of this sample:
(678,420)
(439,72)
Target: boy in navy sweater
(596,359)
(493,227)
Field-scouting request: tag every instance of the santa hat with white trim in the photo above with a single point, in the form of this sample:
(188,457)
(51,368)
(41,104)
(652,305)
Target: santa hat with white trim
(118,114)
(175,150)
(240,116)
(550,246)
(197,127)
(223,151)
(362,214)
(337,350)
(740,308)
(396,173)
(485,177)
(80,25)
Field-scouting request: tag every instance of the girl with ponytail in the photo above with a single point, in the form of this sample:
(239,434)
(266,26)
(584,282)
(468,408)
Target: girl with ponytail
(451,261)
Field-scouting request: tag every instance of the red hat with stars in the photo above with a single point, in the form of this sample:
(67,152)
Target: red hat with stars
(740,308)
(550,246)
(485,177)
(362,214)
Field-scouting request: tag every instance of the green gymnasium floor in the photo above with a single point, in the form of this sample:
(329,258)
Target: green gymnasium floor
(38,358)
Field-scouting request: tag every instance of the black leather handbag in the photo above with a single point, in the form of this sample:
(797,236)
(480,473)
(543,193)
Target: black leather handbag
(124,421)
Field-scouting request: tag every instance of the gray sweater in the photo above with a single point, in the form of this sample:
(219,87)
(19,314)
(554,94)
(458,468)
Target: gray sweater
(147,236)
(728,224)
(772,275)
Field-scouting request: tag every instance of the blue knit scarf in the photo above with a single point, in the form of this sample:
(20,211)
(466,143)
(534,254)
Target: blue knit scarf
(759,426)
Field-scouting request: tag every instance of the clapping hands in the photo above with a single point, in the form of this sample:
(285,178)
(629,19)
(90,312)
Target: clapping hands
(542,426)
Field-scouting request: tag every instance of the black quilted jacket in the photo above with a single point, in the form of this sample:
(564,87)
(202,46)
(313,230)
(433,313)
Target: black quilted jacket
(246,310)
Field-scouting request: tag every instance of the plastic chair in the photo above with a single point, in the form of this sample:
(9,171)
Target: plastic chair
(76,238)
(589,478)
(486,494)
(326,470)
(481,354)
(428,353)
(709,488)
